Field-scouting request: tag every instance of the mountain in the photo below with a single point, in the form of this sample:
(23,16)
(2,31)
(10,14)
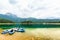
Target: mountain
(14,18)
(10,16)
(5,21)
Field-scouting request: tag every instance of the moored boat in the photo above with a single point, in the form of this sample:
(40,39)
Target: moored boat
(13,30)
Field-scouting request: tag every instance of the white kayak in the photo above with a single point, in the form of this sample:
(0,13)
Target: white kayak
(20,30)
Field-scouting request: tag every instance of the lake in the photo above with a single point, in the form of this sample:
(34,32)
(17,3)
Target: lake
(32,32)
(7,26)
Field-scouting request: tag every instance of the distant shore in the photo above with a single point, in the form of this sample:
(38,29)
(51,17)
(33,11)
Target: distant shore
(30,23)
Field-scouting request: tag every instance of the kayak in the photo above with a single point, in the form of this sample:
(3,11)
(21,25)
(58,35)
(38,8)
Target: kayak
(5,32)
(11,32)
(21,30)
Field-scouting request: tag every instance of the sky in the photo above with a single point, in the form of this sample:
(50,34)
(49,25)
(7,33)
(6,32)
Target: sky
(31,8)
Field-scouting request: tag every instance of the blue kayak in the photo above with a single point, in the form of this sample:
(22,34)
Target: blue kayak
(5,32)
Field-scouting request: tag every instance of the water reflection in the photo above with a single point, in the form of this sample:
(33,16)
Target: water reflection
(29,26)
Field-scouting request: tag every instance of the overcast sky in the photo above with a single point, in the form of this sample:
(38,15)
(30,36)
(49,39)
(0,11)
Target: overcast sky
(31,8)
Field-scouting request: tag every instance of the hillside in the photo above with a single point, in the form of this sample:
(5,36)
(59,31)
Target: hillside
(5,21)
(13,18)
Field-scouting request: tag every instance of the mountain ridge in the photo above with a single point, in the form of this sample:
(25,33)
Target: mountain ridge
(14,18)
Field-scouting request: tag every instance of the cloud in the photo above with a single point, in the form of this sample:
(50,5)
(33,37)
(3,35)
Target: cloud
(13,1)
(31,8)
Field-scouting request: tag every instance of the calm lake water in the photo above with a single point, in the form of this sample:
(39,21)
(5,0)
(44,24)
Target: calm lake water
(30,26)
